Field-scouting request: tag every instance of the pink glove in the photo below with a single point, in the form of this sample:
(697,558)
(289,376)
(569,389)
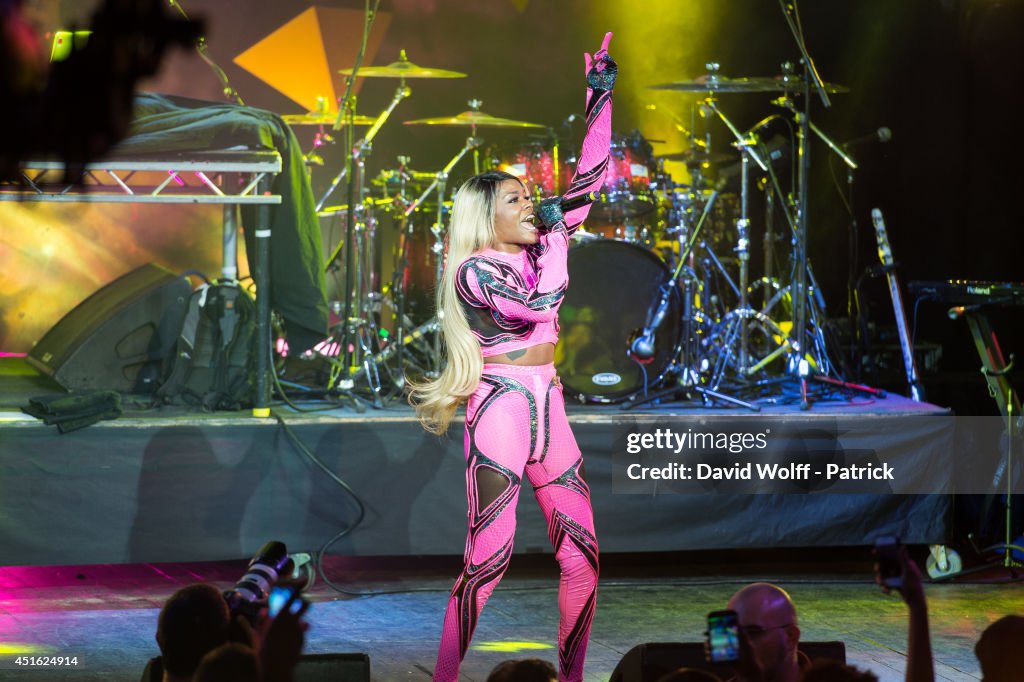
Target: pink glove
(601,69)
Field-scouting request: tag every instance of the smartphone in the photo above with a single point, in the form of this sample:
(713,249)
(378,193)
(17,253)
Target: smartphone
(279,596)
(887,551)
(723,644)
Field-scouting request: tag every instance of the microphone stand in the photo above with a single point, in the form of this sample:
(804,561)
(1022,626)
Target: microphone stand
(346,110)
(797,363)
(229,92)
(439,184)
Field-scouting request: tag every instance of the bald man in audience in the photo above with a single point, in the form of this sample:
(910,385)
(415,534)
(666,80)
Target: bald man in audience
(998,650)
(769,635)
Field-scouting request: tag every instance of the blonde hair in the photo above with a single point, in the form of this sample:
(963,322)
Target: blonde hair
(471,230)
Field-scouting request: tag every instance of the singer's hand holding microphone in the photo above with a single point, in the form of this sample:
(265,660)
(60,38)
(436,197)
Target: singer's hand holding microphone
(552,210)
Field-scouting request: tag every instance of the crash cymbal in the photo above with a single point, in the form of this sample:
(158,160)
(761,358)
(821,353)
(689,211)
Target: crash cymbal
(692,156)
(476,119)
(710,82)
(403,68)
(323,118)
(722,84)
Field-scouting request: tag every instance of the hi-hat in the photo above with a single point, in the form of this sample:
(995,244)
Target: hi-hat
(475,119)
(324,118)
(403,68)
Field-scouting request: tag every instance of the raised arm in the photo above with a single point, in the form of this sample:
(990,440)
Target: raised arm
(592,165)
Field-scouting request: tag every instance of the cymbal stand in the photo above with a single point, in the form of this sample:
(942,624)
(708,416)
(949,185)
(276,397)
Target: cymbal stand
(401,93)
(737,326)
(356,343)
(808,301)
(797,363)
(439,186)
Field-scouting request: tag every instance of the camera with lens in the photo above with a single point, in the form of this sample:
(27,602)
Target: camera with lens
(269,565)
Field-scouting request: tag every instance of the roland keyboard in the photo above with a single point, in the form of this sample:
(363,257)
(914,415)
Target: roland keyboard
(969,292)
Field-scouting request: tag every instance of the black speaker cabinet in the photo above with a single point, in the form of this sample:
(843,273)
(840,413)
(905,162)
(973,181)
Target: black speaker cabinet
(310,668)
(648,662)
(332,668)
(118,338)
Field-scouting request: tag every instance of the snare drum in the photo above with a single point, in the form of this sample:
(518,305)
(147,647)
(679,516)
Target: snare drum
(612,286)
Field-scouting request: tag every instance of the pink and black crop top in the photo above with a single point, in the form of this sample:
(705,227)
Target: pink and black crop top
(512,299)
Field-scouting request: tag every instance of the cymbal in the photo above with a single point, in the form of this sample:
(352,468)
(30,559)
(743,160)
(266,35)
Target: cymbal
(692,156)
(476,119)
(722,84)
(403,68)
(716,83)
(323,118)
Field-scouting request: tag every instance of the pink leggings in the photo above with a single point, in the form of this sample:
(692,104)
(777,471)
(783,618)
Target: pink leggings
(515,422)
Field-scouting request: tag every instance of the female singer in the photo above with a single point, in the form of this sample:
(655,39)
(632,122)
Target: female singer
(498,302)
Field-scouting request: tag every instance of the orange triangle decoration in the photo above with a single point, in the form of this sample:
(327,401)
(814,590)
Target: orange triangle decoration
(521,5)
(301,58)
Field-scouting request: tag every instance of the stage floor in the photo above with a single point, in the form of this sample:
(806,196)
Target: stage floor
(106,615)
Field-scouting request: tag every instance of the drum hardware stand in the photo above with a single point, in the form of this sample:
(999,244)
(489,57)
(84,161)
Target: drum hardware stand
(401,93)
(437,229)
(354,342)
(805,311)
(738,323)
(688,374)
(797,362)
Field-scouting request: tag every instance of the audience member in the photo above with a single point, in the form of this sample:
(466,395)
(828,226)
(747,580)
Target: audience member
(193,622)
(920,667)
(997,650)
(769,635)
(231,662)
(524,670)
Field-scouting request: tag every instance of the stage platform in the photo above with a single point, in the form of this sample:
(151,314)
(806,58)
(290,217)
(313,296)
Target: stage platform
(167,484)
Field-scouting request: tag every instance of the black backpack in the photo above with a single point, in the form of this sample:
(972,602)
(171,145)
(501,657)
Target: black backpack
(213,366)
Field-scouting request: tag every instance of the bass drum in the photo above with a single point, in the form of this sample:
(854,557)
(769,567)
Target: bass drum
(612,285)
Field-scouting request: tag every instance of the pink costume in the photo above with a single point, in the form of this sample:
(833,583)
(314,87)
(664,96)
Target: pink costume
(516,423)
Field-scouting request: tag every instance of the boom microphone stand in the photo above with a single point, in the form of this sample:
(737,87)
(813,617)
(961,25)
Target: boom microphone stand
(810,76)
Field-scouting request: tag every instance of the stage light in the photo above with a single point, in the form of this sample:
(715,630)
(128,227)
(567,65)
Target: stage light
(673,47)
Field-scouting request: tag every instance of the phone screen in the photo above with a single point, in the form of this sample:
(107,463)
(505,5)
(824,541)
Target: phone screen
(723,636)
(887,550)
(279,596)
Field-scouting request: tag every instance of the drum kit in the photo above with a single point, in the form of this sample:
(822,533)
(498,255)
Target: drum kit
(662,304)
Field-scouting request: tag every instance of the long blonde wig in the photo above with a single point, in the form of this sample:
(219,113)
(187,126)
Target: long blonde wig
(471,230)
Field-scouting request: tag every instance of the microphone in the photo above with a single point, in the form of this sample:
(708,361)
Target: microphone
(883,134)
(956,312)
(572,203)
(643,345)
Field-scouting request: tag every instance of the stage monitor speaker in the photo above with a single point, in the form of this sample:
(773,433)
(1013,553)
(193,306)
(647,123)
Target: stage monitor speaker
(648,662)
(310,668)
(332,668)
(119,337)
